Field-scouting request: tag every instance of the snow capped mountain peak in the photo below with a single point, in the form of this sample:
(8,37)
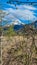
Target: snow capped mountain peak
(16,22)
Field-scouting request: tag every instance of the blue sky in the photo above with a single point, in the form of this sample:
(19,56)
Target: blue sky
(21,0)
(24,14)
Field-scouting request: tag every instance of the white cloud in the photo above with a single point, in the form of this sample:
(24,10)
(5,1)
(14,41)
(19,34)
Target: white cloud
(18,14)
(27,15)
(24,14)
(30,7)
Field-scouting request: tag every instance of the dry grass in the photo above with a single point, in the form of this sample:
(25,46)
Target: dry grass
(17,50)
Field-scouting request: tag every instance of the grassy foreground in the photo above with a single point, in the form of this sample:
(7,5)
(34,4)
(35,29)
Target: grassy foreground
(19,50)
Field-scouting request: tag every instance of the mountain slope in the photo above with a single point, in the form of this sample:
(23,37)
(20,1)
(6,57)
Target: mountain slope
(28,29)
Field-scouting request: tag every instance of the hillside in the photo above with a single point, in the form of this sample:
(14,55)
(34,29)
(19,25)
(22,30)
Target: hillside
(19,44)
(20,29)
(19,47)
(19,50)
